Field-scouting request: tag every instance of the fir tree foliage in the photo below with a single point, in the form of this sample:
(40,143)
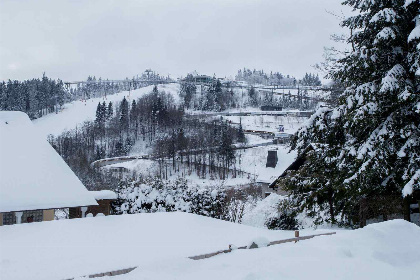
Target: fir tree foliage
(124,118)
(36,97)
(100,114)
(253,97)
(241,134)
(310,80)
(109,111)
(369,145)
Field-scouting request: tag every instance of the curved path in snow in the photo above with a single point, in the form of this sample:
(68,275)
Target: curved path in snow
(115,160)
(109,161)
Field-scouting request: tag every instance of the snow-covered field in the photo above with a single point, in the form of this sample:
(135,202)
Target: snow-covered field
(150,168)
(268,123)
(387,250)
(69,248)
(77,112)
(159,244)
(251,161)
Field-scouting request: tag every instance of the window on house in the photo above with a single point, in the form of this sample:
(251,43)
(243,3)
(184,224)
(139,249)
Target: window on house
(9,218)
(32,216)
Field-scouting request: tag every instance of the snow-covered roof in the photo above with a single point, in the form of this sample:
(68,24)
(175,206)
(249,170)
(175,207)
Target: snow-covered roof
(299,160)
(32,174)
(104,194)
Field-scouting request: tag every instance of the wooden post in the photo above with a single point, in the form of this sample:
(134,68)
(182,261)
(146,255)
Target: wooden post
(296,233)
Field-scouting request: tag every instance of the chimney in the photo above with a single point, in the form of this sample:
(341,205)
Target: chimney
(272,159)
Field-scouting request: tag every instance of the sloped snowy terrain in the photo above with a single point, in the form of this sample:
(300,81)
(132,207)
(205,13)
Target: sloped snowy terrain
(77,112)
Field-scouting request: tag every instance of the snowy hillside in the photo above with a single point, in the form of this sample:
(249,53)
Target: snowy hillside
(77,112)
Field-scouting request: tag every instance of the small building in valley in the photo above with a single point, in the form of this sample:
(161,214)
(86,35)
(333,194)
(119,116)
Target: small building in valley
(34,179)
(282,138)
(294,166)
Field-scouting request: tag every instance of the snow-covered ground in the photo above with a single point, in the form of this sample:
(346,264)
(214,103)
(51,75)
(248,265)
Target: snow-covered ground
(251,161)
(68,248)
(387,250)
(77,112)
(268,123)
(150,168)
(159,244)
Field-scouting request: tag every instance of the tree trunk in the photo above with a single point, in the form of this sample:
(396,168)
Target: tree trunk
(331,205)
(362,212)
(406,208)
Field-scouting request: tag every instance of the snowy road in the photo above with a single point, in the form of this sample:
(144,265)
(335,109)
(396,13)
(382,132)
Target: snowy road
(115,160)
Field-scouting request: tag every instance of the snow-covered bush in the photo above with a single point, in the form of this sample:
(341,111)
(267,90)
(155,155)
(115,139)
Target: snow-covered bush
(273,212)
(156,195)
(263,211)
(240,201)
(151,196)
(284,220)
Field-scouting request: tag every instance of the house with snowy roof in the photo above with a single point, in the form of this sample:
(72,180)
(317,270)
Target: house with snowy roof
(34,179)
(294,166)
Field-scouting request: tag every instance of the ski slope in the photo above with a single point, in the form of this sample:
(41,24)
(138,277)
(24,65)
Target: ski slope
(77,112)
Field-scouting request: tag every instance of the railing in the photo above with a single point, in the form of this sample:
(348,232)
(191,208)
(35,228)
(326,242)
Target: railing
(295,239)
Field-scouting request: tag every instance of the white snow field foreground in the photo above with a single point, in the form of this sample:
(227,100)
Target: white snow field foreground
(158,245)
(387,250)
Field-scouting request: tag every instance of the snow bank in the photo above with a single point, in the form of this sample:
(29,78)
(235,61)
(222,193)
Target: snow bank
(388,250)
(69,248)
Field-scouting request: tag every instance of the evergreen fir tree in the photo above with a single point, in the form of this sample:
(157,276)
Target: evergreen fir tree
(124,119)
(133,111)
(241,134)
(368,146)
(109,111)
(220,100)
(100,114)
(253,97)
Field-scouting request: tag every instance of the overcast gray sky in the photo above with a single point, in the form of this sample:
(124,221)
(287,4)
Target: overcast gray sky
(72,39)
